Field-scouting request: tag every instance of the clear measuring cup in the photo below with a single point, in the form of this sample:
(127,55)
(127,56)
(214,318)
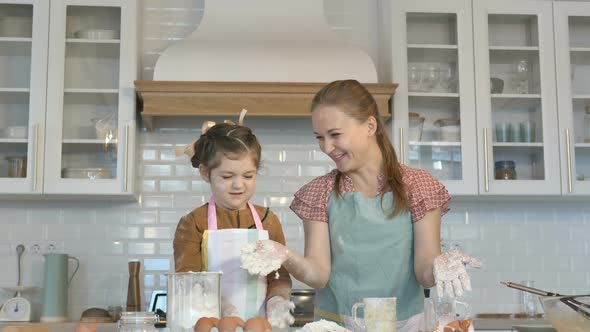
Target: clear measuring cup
(191,295)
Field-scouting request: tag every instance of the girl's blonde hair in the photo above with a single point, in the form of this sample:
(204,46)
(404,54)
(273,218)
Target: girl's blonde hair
(357,102)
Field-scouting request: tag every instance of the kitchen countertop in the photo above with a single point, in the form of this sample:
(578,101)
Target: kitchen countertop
(479,323)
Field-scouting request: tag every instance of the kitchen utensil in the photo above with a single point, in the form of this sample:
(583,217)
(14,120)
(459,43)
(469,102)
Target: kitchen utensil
(379,314)
(55,287)
(571,301)
(17,166)
(304,304)
(190,296)
(133,291)
(17,308)
(20,249)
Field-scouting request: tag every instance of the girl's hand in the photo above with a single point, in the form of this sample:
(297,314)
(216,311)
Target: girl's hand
(263,257)
(278,312)
(450,273)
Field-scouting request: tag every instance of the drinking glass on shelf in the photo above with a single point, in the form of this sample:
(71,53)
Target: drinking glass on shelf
(449,80)
(414,79)
(521,76)
(431,78)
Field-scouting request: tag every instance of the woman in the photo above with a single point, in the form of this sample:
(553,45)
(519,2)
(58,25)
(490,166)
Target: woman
(372,225)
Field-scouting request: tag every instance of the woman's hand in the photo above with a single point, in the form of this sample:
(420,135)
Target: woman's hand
(450,273)
(278,311)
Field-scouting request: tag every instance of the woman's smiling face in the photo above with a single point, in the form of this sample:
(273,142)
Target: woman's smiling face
(343,138)
(233,182)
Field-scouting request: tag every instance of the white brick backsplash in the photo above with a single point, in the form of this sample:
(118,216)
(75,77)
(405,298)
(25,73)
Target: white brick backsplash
(141,248)
(157,264)
(170,217)
(148,185)
(157,233)
(277,169)
(149,154)
(135,217)
(269,184)
(156,201)
(157,170)
(557,264)
(174,185)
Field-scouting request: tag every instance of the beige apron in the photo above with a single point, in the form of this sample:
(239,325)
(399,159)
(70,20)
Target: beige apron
(221,251)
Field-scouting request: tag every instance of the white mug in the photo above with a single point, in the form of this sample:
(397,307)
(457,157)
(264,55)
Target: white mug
(380,314)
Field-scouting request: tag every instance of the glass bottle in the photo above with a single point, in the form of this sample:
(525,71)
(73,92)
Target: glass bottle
(505,170)
(137,322)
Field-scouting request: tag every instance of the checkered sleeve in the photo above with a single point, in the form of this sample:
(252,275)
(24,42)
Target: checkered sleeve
(311,201)
(425,192)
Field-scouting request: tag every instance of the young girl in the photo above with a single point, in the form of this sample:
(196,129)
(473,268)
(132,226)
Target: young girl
(211,236)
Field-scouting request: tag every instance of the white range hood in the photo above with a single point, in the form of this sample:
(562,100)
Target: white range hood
(268,56)
(264,41)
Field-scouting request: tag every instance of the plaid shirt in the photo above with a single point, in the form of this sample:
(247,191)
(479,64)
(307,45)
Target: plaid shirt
(425,194)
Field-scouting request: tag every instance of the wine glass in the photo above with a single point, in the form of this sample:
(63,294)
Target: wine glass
(432,77)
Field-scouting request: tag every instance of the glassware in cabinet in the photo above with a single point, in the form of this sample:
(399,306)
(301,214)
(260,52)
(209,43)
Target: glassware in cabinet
(515,99)
(430,103)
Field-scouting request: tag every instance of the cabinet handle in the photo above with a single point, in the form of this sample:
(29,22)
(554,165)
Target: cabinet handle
(569,160)
(401,145)
(485,160)
(36,157)
(126,157)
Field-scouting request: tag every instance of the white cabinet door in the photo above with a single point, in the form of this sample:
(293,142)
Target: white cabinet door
(91,99)
(23,75)
(517,121)
(434,105)
(572,55)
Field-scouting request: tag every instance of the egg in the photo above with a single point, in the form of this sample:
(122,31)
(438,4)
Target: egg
(205,324)
(257,324)
(229,323)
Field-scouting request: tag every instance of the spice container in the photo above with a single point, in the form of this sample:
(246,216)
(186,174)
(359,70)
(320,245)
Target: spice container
(17,167)
(137,322)
(505,170)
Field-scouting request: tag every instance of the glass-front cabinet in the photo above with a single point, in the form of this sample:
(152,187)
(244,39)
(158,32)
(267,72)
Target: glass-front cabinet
(572,57)
(23,67)
(67,105)
(434,106)
(515,86)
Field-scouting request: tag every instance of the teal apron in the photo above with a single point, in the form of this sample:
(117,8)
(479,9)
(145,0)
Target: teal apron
(372,256)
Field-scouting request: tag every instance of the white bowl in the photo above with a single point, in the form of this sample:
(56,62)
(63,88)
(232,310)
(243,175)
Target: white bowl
(16,132)
(96,34)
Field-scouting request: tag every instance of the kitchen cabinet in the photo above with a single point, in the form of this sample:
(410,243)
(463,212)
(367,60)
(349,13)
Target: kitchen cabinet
(572,57)
(67,101)
(434,105)
(501,92)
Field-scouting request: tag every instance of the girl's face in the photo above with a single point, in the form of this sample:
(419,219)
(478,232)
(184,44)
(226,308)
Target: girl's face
(342,138)
(233,182)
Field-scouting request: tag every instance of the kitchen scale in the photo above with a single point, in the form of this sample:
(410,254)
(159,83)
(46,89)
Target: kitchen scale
(17,308)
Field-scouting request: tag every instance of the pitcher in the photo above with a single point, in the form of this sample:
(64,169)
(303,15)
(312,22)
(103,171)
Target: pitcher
(55,287)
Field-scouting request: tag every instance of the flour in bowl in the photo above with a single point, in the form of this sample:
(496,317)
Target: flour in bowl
(322,326)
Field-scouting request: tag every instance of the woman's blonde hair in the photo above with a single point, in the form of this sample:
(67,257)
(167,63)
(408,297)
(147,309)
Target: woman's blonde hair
(358,103)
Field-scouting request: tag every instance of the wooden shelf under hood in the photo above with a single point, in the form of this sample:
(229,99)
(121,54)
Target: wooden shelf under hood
(268,99)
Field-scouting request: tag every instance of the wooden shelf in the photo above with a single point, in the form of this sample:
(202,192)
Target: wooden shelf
(265,99)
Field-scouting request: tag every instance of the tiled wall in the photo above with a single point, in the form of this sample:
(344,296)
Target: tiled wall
(545,241)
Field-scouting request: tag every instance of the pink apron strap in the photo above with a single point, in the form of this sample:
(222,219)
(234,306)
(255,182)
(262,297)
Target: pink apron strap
(212,216)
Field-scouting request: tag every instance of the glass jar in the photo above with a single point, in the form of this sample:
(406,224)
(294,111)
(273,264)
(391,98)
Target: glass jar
(505,170)
(137,322)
